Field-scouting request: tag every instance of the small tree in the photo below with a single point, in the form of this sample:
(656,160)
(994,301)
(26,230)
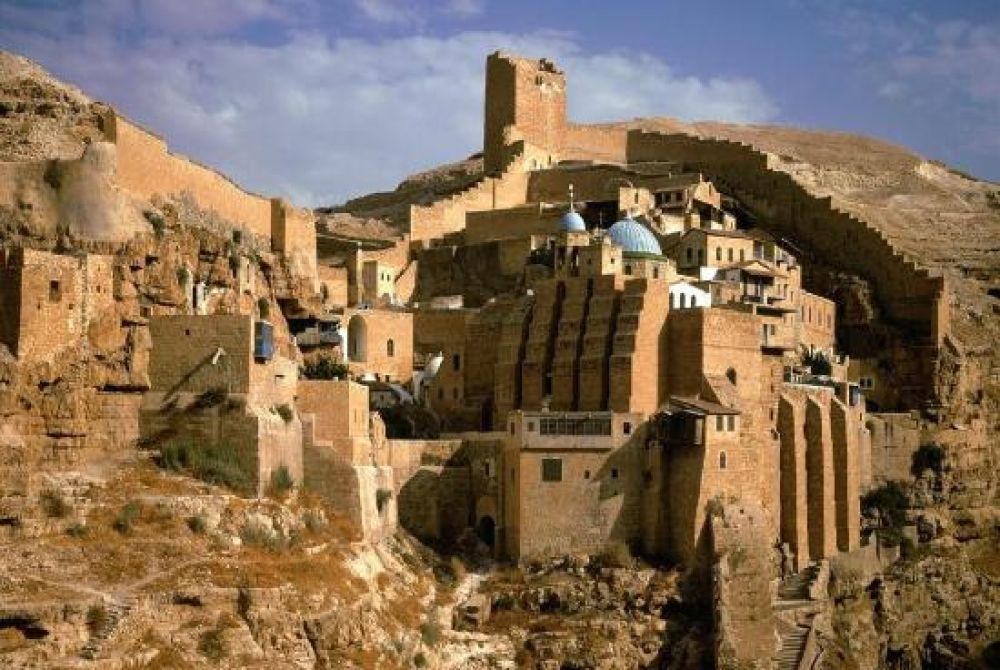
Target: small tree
(324,367)
(927,457)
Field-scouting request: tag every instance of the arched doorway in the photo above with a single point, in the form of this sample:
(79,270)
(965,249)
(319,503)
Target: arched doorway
(486,530)
(357,334)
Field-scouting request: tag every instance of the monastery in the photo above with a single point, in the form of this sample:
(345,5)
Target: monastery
(642,340)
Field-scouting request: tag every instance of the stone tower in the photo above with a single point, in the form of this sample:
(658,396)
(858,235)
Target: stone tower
(525,100)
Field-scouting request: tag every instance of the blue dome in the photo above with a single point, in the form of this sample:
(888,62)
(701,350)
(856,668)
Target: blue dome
(633,237)
(573,222)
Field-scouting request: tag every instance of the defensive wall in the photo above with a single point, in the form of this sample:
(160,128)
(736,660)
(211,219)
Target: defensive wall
(447,215)
(909,295)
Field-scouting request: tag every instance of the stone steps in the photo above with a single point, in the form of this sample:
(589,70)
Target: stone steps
(117,612)
(792,646)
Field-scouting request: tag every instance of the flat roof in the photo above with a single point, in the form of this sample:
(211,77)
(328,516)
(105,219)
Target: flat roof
(698,406)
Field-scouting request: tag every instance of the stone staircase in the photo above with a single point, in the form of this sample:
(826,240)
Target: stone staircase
(794,601)
(792,646)
(116,612)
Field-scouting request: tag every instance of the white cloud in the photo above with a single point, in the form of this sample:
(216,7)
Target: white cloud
(320,119)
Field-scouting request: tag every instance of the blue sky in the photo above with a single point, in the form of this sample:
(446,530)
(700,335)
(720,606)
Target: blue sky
(321,100)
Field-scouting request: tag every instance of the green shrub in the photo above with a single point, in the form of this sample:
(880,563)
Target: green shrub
(210,398)
(891,502)
(281,480)
(157,221)
(255,535)
(197,524)
(237,236)
(53,504)
(324,367)
(419,660)
(127,517)
(212,645)
(615,555)
(430,632)
(77,530)
(818,364)
(382,498)
(285,412)
(97,619)
(927,457)
(218,464)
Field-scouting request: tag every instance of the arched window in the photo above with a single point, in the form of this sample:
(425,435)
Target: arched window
(390,348)
(730,254)
(718,253)
(722,460)
(683,301)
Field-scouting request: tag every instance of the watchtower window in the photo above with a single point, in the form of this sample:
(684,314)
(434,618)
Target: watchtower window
(722,460)
(55,291)
(390,348)
(551,469)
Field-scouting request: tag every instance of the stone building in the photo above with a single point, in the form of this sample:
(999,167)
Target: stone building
(216,381)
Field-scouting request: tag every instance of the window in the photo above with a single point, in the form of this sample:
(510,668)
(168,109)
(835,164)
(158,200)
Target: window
(689,255)
(730,423)
(488,468)
(742,255)
(456,362)
(701,257)
(730,254)
(441,395)
(627,427)
(614,473)
(628,269)
(390,348)
(512,428)
(722,460)
(718,253)
(720,423)
(656,273)
(551,469)
(683,301)
(731,375)
(586,474)
(55,292)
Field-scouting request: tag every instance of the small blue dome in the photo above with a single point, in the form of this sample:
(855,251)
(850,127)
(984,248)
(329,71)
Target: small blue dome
(573,222)
(633,237)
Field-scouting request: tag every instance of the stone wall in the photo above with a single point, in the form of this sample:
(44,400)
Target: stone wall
(339,417)
(380,342)
(146,167)
(908,294)
(745,624)
(894,440)
(185,345)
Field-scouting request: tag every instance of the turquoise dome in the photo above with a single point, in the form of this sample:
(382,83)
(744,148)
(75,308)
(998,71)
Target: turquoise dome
(633,237)
(573,222)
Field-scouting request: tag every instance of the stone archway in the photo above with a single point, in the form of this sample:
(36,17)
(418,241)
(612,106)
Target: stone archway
(357,339)
(486,531)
